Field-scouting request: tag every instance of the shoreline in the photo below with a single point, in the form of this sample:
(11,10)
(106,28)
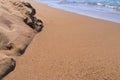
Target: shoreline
(112,16)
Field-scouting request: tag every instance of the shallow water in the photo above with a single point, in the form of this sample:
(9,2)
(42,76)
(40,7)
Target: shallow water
(102,9)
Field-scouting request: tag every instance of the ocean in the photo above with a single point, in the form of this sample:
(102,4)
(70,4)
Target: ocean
(102,9)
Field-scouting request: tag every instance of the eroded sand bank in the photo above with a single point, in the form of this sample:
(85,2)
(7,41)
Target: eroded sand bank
(18,26)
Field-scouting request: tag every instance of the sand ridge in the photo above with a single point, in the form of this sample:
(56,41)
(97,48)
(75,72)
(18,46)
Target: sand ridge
(18,26)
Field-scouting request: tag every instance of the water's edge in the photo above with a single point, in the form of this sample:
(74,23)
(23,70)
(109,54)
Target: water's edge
(88,10)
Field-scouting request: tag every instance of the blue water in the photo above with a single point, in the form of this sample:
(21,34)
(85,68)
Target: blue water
(102,9)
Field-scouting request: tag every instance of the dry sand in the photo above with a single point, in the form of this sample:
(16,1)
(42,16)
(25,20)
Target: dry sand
(18,26)
(71,47)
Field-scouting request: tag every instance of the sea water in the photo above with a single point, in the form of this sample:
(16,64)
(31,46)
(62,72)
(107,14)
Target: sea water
(102,9)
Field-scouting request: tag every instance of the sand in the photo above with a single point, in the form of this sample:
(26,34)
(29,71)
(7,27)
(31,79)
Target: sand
(18,26)
(70,47)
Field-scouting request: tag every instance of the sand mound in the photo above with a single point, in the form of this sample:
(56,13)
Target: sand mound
(18,26)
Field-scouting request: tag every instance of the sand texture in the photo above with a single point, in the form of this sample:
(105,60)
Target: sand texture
(71,47)
(18,26)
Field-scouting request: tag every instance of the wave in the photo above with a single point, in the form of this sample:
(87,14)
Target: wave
(112,4)
(92,8)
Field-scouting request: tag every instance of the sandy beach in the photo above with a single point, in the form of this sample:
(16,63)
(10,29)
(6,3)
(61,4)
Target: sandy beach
(70,47)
